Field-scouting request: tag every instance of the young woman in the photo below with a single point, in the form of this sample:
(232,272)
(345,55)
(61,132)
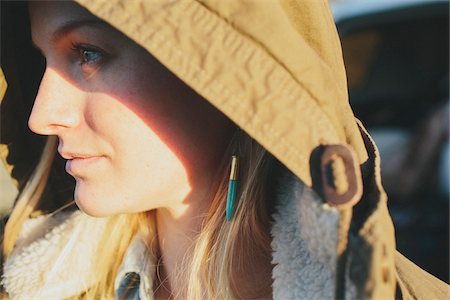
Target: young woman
(214,153)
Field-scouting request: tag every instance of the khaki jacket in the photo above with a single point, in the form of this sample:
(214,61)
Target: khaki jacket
(275,68)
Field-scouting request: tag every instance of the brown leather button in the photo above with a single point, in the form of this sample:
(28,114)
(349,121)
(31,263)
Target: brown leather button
(340,176)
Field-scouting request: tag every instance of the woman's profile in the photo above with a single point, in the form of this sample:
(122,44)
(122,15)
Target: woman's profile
(213,151)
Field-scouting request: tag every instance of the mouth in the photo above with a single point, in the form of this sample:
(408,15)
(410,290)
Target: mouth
(78,164)
(81,165)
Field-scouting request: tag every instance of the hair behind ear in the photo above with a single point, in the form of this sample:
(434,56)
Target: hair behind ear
(226,252)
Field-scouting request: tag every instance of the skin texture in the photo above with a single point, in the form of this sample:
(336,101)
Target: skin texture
(135,136)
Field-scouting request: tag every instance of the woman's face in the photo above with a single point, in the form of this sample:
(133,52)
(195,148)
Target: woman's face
(135,137)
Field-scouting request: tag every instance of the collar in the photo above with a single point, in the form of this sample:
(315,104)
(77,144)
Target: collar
(49,251)
(137,265)
(304,240)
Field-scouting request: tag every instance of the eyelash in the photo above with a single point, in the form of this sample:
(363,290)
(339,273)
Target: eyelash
(82,50)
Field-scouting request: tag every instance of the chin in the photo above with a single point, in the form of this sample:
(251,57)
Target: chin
(92,204)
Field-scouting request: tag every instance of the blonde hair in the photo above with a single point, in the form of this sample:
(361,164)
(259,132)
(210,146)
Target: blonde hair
(221,248)
(30,196)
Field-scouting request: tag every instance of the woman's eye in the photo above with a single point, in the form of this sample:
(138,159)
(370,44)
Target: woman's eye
(88,55)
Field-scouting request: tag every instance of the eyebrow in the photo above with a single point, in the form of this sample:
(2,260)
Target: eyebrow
(69,26)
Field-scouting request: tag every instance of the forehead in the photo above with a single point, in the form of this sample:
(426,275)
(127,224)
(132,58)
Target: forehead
(46,16)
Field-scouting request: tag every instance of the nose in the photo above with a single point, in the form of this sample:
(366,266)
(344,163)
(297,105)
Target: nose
(57,105)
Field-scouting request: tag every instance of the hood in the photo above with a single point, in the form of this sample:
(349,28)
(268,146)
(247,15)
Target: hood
(275,68)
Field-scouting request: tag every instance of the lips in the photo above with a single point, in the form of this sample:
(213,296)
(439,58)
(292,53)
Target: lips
(80,163)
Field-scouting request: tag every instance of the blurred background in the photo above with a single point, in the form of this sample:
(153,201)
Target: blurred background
(396,54)
(397,58)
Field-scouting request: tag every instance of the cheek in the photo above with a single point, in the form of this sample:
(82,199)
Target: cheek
(150,169)
(154,129)
(142,171)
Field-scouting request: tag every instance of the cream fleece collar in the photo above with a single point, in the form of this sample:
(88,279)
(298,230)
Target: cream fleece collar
(53,257)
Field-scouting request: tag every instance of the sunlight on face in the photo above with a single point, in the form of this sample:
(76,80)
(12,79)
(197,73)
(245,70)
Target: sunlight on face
(136,138)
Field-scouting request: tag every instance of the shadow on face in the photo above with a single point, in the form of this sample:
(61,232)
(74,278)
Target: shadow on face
(135,136)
